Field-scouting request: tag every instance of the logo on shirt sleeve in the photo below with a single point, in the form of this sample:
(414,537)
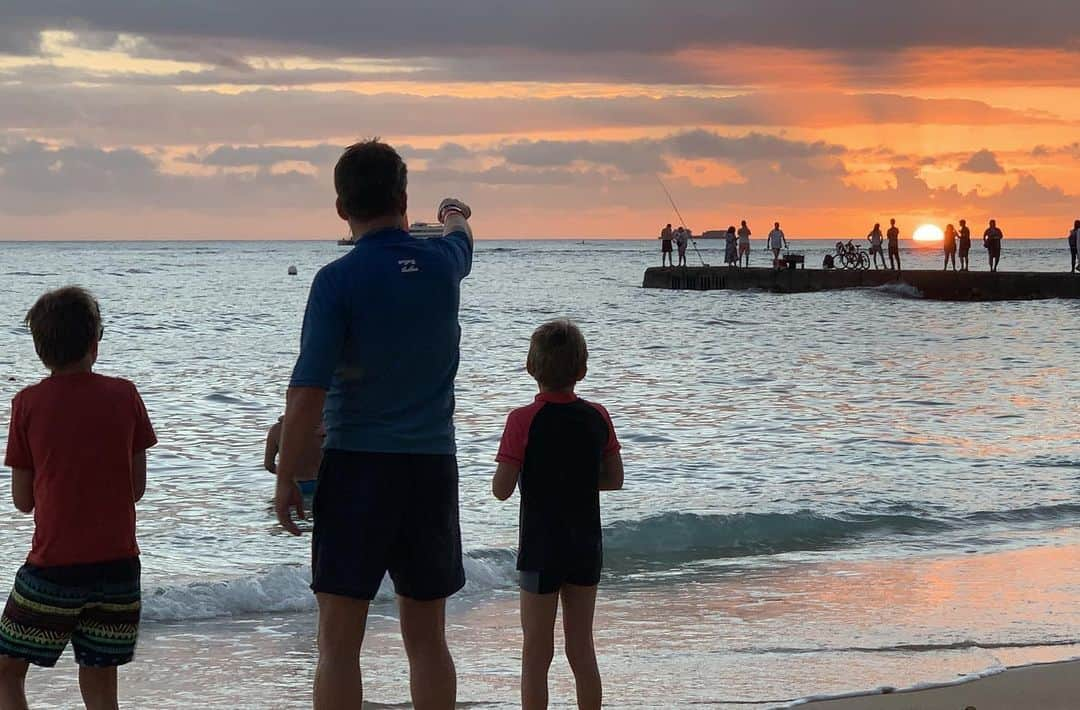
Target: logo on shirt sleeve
(408,266)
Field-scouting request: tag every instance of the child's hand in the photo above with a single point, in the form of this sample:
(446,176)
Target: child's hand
(286,499)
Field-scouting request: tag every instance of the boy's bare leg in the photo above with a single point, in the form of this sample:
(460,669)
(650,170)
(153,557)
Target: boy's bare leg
(579,603)
(98,687)
(538,628)
(339,683)
(432,677)
(13,683)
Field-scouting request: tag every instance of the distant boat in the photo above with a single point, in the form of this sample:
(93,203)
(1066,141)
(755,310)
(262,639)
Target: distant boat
(419,230)
(425,230)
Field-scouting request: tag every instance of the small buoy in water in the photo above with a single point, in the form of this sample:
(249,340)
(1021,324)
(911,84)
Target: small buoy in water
(293,271)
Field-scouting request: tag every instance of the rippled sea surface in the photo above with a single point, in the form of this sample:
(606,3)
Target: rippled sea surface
(825,492)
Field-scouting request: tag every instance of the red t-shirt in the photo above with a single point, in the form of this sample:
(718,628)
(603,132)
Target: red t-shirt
(78,433)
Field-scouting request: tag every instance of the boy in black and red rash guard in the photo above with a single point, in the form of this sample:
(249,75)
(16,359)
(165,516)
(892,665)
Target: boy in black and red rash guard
(564,451)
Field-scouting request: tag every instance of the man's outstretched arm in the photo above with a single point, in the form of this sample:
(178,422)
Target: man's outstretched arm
(454,216)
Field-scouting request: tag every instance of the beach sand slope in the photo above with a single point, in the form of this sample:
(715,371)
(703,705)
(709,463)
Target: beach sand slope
(1052,686)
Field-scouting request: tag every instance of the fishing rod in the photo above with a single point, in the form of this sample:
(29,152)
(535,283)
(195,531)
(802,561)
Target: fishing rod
(681,220)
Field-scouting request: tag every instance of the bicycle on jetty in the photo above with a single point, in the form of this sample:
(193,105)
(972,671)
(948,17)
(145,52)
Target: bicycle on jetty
(851,256)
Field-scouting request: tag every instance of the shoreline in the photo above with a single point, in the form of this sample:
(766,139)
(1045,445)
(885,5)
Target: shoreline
(1054,685)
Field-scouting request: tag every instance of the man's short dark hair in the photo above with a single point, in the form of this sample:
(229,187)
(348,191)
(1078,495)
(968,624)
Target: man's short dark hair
(65,324)
(370,179)
(557,354)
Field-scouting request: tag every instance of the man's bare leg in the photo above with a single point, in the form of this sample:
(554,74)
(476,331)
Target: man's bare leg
(98,688)
(13,683)
(432,677)
(538,647)
(339,683)
(579,604)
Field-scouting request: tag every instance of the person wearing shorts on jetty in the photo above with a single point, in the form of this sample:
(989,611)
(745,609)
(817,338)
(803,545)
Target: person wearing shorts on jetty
(965,246)
(893,236)
(777,241)
(666,236)
(561,451)
(744,243)
(379,353)
(682,238)
(992,241)
(875,237)
(77,449)
(312,459)
(1074,244)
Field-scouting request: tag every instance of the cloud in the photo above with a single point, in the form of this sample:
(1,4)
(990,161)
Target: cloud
(37,179)
(18,42)
(984,161)
(122,115)
(411,28)
(650,156)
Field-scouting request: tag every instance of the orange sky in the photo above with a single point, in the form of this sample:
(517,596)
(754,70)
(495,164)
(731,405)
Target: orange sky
(136,125)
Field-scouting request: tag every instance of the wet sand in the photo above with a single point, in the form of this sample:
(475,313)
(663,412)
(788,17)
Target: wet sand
(1053,686)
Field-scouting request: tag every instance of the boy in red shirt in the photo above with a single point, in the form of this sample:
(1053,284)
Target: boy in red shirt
(77,449)
(565,452)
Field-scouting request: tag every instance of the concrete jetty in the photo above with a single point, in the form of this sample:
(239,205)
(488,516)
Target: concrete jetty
(933,285)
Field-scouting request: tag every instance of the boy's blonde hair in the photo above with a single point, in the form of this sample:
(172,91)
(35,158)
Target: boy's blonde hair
(557,354)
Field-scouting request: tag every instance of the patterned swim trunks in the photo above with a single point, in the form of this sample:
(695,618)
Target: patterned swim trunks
(96,607)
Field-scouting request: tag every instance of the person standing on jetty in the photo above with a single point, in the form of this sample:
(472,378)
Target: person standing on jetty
(744,235)
(682,238)
(777,241)
(1074,244)
(744,243)
(379,353)
(564,451)
(992,241)
(665,247)
(875,237)
(894,245)
(731,247)
(949,245)
(77,451)
(965,246)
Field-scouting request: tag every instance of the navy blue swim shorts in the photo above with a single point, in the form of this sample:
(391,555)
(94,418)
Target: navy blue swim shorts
(376,513)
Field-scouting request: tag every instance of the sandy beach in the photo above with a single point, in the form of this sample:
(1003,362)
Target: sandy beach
(1052,686)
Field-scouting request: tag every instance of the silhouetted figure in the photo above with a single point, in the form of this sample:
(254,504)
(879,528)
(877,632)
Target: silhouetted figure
(992,241)
(876,238)
(1074,244)
(744,243)
(950,247)
(965,246)
(894,246)
(777,241)
(731,247)
(666,236)
(682,238)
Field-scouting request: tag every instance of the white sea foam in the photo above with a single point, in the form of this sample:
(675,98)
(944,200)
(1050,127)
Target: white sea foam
(286,588)
(902,290)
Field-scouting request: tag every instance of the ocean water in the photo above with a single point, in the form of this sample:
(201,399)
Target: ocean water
(825,492)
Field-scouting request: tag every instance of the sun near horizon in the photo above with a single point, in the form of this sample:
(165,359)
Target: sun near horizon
(928,233)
